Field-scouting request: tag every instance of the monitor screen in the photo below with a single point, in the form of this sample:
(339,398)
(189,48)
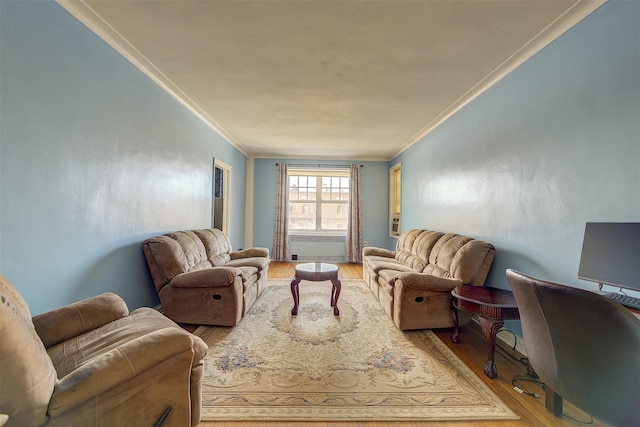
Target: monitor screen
(611,254)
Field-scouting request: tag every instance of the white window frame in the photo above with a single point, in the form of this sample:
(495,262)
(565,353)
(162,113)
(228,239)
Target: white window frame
(319,202)
(395,200)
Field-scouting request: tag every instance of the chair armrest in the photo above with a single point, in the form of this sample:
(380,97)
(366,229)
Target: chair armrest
(121,364)
(71,320)
(373,251)
(427,282)
(214,277)
(250,253)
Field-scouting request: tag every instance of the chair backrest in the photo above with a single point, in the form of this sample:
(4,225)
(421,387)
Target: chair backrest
(583,346)
(27,375)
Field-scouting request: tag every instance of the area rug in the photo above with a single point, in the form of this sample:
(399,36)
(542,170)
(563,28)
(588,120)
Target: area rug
(353,367)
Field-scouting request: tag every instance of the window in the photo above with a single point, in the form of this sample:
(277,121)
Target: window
(395,199)
(318,200)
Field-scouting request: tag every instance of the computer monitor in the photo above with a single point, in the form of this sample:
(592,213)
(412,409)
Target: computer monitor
(611,254)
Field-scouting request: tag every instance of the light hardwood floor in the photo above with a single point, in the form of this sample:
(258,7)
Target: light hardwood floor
(473,352)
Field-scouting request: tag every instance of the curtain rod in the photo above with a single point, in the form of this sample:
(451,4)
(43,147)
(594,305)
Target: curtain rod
(313,166)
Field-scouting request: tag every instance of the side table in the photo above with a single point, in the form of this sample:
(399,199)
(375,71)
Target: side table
(493,307)
(316,272)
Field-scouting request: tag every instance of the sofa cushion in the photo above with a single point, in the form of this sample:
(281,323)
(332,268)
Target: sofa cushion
(27,375)
(71,354)
(249,276)
(206,278)
(387,279)
(123,369)
(386,286)
(216,244)
(170,257)
(69,321)
(415,247)
(260,263)
(377,264)
(192,250)
(459,257)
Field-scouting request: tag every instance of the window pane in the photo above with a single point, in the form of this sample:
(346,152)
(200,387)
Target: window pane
(310,183)
(334,216)
(302,187)
(294,193)
(302,216)
(326,188)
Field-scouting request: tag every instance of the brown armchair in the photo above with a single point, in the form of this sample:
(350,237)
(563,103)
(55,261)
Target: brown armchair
(584,347)
(92,363)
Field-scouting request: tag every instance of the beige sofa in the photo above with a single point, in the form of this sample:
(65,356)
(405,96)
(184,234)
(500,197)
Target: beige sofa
(93,363)
(414,282)
(201,280)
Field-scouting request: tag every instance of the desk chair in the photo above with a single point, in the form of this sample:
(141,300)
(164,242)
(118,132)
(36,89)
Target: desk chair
(584,347)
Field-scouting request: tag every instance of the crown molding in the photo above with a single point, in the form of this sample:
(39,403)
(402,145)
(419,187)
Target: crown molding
(86,15)
(576,13)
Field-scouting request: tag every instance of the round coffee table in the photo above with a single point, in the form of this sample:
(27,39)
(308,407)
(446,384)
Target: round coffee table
(316,272)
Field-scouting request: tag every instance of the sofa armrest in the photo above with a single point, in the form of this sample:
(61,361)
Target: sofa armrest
(428,282)
(374,251)
(61,324)
(121,364)
(250,253)
(214,277)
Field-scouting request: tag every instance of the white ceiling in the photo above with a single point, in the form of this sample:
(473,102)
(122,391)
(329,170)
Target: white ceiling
(350,79)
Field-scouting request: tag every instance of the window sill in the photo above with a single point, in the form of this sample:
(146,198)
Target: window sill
(317,233)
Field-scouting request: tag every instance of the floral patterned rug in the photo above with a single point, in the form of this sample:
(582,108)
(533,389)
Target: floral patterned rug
(353,367)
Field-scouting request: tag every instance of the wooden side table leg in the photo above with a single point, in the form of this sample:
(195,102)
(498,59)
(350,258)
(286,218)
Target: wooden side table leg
(490,327)
(335,294)
(454,315)
(295,293)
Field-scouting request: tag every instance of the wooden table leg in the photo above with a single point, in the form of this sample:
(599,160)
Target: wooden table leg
(335,294)
(490,327)
(456,333)
(295,293)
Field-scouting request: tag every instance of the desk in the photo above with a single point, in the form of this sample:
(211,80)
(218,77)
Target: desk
(493,307)
(316,272)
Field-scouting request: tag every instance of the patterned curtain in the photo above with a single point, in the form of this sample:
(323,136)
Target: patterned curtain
(280,250)
(354,227)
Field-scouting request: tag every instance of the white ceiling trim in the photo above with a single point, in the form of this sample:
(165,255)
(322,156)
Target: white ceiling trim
(85,14)
(580,10)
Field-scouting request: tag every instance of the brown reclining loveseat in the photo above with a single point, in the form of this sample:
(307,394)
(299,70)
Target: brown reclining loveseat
(201,280)
(414,282)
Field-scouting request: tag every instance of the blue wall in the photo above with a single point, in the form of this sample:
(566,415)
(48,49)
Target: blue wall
(550,147)
(95,158)
(375,195)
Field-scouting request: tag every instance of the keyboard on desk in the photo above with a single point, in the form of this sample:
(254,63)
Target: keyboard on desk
(626,300)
